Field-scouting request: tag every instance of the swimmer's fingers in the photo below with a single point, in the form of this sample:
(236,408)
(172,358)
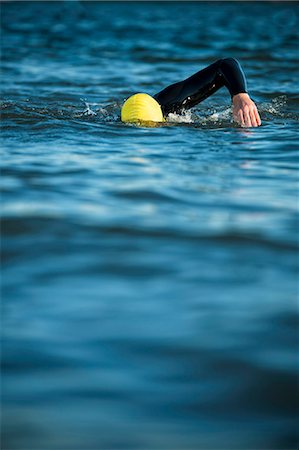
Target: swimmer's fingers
(247,118)
(240,118)
(257,116)
(252,117)
(245,111)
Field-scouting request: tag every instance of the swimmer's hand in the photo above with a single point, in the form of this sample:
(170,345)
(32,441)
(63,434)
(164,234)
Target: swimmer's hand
(245,112)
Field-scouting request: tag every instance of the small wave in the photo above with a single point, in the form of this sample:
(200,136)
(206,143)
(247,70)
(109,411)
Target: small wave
(33,223)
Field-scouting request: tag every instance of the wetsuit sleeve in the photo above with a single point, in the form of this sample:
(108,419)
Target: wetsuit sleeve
(188,93)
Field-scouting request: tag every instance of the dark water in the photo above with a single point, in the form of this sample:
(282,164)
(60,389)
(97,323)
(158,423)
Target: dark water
(149,275)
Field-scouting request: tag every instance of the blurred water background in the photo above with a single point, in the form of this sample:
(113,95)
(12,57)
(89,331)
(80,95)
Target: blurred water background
(149,275)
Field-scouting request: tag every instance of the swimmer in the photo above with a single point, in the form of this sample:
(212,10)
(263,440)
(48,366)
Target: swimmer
(187,93)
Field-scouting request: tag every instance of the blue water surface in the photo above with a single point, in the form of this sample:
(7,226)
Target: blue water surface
(149,275)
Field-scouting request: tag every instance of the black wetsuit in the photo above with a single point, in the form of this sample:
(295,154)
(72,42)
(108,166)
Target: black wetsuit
(188,93)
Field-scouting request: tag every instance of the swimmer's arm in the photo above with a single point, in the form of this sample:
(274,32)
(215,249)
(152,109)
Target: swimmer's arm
(245,111)
(224,72)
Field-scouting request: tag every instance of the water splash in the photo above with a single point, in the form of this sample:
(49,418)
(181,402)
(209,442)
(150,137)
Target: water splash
(282,107)
(88,111)
(276,107)
(184,117)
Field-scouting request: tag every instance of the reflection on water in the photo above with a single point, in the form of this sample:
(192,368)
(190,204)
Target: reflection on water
(149,276)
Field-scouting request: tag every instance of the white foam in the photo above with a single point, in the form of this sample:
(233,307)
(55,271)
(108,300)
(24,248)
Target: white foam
(184,117)
(217,116)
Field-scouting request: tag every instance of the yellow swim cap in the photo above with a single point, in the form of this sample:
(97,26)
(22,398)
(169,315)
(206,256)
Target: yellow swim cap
(141,107)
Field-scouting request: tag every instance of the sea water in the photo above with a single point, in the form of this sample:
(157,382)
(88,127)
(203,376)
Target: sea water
(149,275)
